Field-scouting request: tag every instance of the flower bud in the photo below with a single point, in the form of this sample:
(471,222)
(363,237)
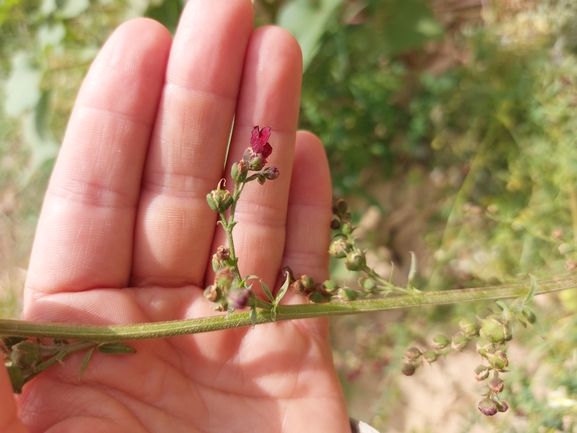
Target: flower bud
(239,171)
(413,353)
(495,329)
(502,406)
(347,294)
(488,407)
(316,298)
(468,328)
(355,261)
(566,248)
(339,248)
(408,368)
(367,284)
(440,342)
(482,372)
(330,286)
(335,223)
(459,342)
(496,385)
(484,346)
(341,207)
(529,315)
(498,360)
(219,200)
(308,282)
(430,356)
(346,228)
(238,297)
(271,173)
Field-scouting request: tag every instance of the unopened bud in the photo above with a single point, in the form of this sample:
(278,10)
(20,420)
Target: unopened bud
(330,286)
(440,342)
(529,315)
(408,368)
(271,173)
(488,407)
(496,385)
(468,328)
(430,356)
(495,329)
(459,342)
(498,360)
(341,207)
(308,282)
(239,171)
(238,297)
(219,200)
(346,228)
(413,353)
(484,346)
(482,372)
(316,298)
(347,294)
(367,284)
(356,261)
(335,224)
(502,406)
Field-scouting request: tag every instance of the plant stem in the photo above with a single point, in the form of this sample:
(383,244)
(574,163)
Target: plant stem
(110,333)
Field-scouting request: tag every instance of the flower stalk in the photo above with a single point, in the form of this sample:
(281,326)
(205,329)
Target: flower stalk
(108,333)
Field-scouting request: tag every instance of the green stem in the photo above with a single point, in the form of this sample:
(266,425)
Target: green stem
(109,333)
(387,284)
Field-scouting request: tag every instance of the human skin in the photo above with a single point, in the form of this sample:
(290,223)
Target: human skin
(126,236)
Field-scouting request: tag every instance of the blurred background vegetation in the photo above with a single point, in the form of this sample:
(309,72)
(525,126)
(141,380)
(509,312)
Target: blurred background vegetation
(450,127)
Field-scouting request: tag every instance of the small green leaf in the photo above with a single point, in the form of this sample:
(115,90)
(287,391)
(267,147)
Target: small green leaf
(268,292)
(282,291)
(116,348)
(252,314)
(85,361)
(273,313)
(17,378)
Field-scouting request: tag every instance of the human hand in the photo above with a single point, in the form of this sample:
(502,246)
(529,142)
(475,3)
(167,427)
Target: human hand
(126,236)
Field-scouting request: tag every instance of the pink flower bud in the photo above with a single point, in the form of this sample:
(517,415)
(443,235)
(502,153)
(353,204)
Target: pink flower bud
(488,407)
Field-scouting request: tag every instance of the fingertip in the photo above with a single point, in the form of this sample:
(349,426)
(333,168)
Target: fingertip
(311,174)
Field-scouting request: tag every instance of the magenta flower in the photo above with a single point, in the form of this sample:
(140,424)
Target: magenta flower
(259,141)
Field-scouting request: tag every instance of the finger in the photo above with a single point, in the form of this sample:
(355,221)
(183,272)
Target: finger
(309,213)
(270,96)
(9,421)
(84,236)
(175,226)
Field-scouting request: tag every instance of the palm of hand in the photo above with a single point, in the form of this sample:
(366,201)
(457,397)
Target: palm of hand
(126,236)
